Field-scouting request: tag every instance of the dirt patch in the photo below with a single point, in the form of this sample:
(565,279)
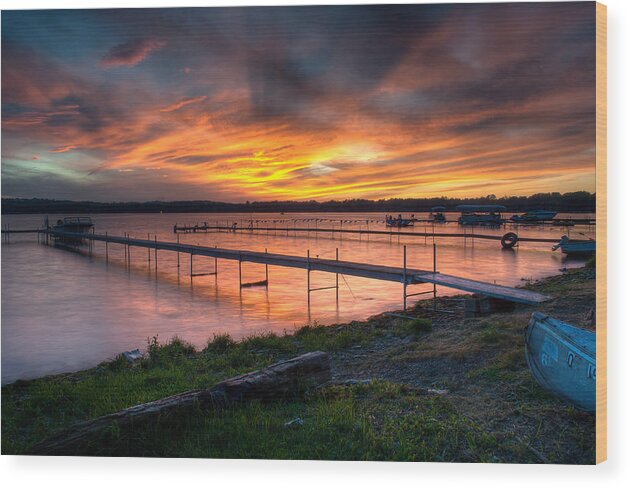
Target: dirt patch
(479,364)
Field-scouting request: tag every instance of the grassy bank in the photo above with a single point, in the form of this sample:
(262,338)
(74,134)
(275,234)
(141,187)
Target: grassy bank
(440,388)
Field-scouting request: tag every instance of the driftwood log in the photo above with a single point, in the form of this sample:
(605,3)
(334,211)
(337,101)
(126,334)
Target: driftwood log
(281,380)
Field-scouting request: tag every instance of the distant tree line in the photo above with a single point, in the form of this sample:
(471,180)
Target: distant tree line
(579,201)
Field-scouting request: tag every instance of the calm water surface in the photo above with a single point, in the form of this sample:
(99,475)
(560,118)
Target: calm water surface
(64,311)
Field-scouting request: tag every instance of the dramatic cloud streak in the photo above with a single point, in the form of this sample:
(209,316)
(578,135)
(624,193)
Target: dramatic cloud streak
(182,103)
(300,102)
(131,52)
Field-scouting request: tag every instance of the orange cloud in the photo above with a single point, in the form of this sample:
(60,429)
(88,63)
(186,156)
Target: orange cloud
(63,149)
(182,103)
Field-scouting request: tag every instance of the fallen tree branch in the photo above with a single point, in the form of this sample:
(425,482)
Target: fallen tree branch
(281,380)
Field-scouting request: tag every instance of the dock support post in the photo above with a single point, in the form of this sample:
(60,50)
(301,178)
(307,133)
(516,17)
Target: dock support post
(178,253)
(149,249)
(191,265)
(405,279)
(337,276)
(155,241)
(434,271)
(266,272)
(240,272)
(308,276)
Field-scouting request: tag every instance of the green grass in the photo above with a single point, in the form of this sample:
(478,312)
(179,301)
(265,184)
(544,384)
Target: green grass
(33,410)
(378,421)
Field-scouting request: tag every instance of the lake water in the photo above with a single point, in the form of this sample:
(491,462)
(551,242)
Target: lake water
(64,311)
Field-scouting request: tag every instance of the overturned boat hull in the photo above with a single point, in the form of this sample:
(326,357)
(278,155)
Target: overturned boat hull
(562,359)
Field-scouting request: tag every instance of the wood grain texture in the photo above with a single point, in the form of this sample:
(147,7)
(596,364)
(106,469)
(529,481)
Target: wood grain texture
(601,416)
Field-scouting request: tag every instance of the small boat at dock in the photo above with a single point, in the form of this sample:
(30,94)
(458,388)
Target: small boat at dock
(390,221)
(437,215)
(562,359)
(481,214)
(576,247)
(534,216)
(74,224)
(77,225)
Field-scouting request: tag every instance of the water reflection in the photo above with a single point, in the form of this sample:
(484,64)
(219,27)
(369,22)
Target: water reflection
(62,311)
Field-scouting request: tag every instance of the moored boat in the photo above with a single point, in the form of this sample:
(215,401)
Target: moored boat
(437,214)
(480,214)
(534,216)
(562,359)
(575,247)
(74,224)
(398,222)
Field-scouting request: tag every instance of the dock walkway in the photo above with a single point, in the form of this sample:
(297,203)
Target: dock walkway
(406,233)
(404,275)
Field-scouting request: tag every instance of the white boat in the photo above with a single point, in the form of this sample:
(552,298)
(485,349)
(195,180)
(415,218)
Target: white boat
(576,247)
(562,359)
(75,225)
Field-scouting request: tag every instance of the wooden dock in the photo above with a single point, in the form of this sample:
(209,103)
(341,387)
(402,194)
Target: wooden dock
(341,230)
(406,276)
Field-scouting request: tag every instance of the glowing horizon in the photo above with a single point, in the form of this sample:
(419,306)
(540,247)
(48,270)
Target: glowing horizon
(299,103)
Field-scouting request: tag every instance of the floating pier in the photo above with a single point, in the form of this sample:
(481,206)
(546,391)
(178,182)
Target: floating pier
(340,230)
(406,276)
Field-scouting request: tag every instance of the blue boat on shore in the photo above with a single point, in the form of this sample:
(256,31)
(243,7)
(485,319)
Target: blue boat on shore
(576,247)
(562,359)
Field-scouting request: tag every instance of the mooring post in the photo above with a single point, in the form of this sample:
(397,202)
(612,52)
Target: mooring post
(149,249)
(125,246)
(106,248)
(308,276)
(240,272)
(405,279)
(191,265)
(434,271)
(266,271)
(178,251)
(216,267)
(155,241)
(337,276)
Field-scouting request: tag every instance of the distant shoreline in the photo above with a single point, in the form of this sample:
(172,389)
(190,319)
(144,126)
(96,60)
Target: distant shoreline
(574,202)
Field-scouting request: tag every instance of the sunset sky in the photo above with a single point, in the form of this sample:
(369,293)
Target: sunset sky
(277,103)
